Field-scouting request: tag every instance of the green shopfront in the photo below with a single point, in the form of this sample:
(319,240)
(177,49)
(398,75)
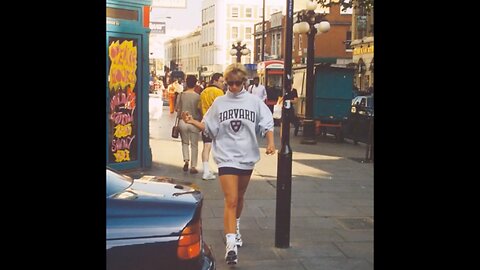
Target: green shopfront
(127,84)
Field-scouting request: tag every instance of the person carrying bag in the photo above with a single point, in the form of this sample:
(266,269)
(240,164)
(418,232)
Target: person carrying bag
(175,131)
(189,101)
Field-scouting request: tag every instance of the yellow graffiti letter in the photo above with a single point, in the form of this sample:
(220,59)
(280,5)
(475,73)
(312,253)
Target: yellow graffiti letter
(123,130)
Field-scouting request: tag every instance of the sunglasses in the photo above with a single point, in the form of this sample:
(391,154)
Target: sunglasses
(237,83)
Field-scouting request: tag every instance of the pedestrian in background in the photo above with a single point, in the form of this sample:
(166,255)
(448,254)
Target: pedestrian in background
(273,93)
(207,97)
(257,89)
(293,97)
(188,100)
(172,94)
(179,86)
(198,89)
(203,84)
(232,122)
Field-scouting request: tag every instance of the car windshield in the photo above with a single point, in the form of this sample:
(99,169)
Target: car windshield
(117,182)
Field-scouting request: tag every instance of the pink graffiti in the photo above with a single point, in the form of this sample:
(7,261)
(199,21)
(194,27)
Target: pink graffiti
(113,51)
(121,118)
(119,99)
(124,143)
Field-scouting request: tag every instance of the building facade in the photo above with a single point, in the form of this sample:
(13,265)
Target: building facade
(273,38)
(330,46)
(189,52)
(362,44)
(225,21)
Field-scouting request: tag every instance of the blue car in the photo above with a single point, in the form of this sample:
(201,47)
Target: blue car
(154,224)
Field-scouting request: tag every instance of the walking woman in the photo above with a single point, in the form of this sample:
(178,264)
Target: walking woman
(232,122)
(188,100)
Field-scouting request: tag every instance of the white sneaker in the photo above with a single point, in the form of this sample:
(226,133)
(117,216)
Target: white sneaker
(238,240)
(209,176)
(231,253)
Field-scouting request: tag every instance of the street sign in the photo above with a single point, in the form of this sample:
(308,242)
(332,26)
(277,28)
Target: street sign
(157,27)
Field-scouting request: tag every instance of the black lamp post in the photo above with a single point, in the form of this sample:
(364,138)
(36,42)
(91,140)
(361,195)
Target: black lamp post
(263,31)
(239,50)
(311,23)
(284,165)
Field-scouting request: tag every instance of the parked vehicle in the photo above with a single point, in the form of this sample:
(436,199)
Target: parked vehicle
(332,96)
(154,224)
(362,105)
(358,124)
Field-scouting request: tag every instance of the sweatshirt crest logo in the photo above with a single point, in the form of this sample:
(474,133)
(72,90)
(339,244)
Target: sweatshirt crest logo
(236,124)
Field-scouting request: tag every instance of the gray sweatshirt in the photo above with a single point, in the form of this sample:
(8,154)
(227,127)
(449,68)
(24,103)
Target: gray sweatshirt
(232,122)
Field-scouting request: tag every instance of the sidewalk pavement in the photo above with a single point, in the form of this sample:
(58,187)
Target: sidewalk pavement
(331,210)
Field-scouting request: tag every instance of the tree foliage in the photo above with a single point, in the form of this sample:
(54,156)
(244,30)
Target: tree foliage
(367,5)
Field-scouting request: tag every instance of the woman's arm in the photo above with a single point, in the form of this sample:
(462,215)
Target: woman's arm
(294,100)
(187,118)
(270,145)
(295,95)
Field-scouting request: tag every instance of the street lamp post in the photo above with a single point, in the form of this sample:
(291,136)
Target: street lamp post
(311,23)
(284,165)
(263,31)
(239,50)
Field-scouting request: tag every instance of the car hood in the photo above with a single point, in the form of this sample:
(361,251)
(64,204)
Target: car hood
(150,209)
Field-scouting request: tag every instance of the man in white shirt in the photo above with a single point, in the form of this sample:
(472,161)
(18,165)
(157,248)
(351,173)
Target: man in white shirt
(258,89)
(177,88)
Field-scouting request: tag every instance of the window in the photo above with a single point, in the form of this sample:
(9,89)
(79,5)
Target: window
(348,40)
(293,43)
(276,44)
(300,48)
(124,14)
(234,32)
(248,12)
(361,23)
(248,33)
(234,12)
(258,48)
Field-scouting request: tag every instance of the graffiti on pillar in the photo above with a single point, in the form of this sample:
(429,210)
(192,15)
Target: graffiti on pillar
(122,78)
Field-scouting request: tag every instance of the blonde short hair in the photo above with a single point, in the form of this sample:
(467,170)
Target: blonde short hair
(235,69)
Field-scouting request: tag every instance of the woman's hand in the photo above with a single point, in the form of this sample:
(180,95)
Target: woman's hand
(186,117)
(270,149)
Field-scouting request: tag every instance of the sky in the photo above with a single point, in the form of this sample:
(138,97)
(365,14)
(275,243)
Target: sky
(182,22)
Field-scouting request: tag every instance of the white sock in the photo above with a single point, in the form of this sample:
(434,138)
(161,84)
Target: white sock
(206,169)
(230,238)
(238,225)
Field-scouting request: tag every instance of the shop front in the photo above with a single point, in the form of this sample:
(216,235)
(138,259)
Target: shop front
(127,81)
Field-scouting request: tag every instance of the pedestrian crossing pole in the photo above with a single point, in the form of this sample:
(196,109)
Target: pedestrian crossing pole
(284,167)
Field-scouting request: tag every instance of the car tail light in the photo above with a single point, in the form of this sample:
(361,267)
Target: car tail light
(189,243)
